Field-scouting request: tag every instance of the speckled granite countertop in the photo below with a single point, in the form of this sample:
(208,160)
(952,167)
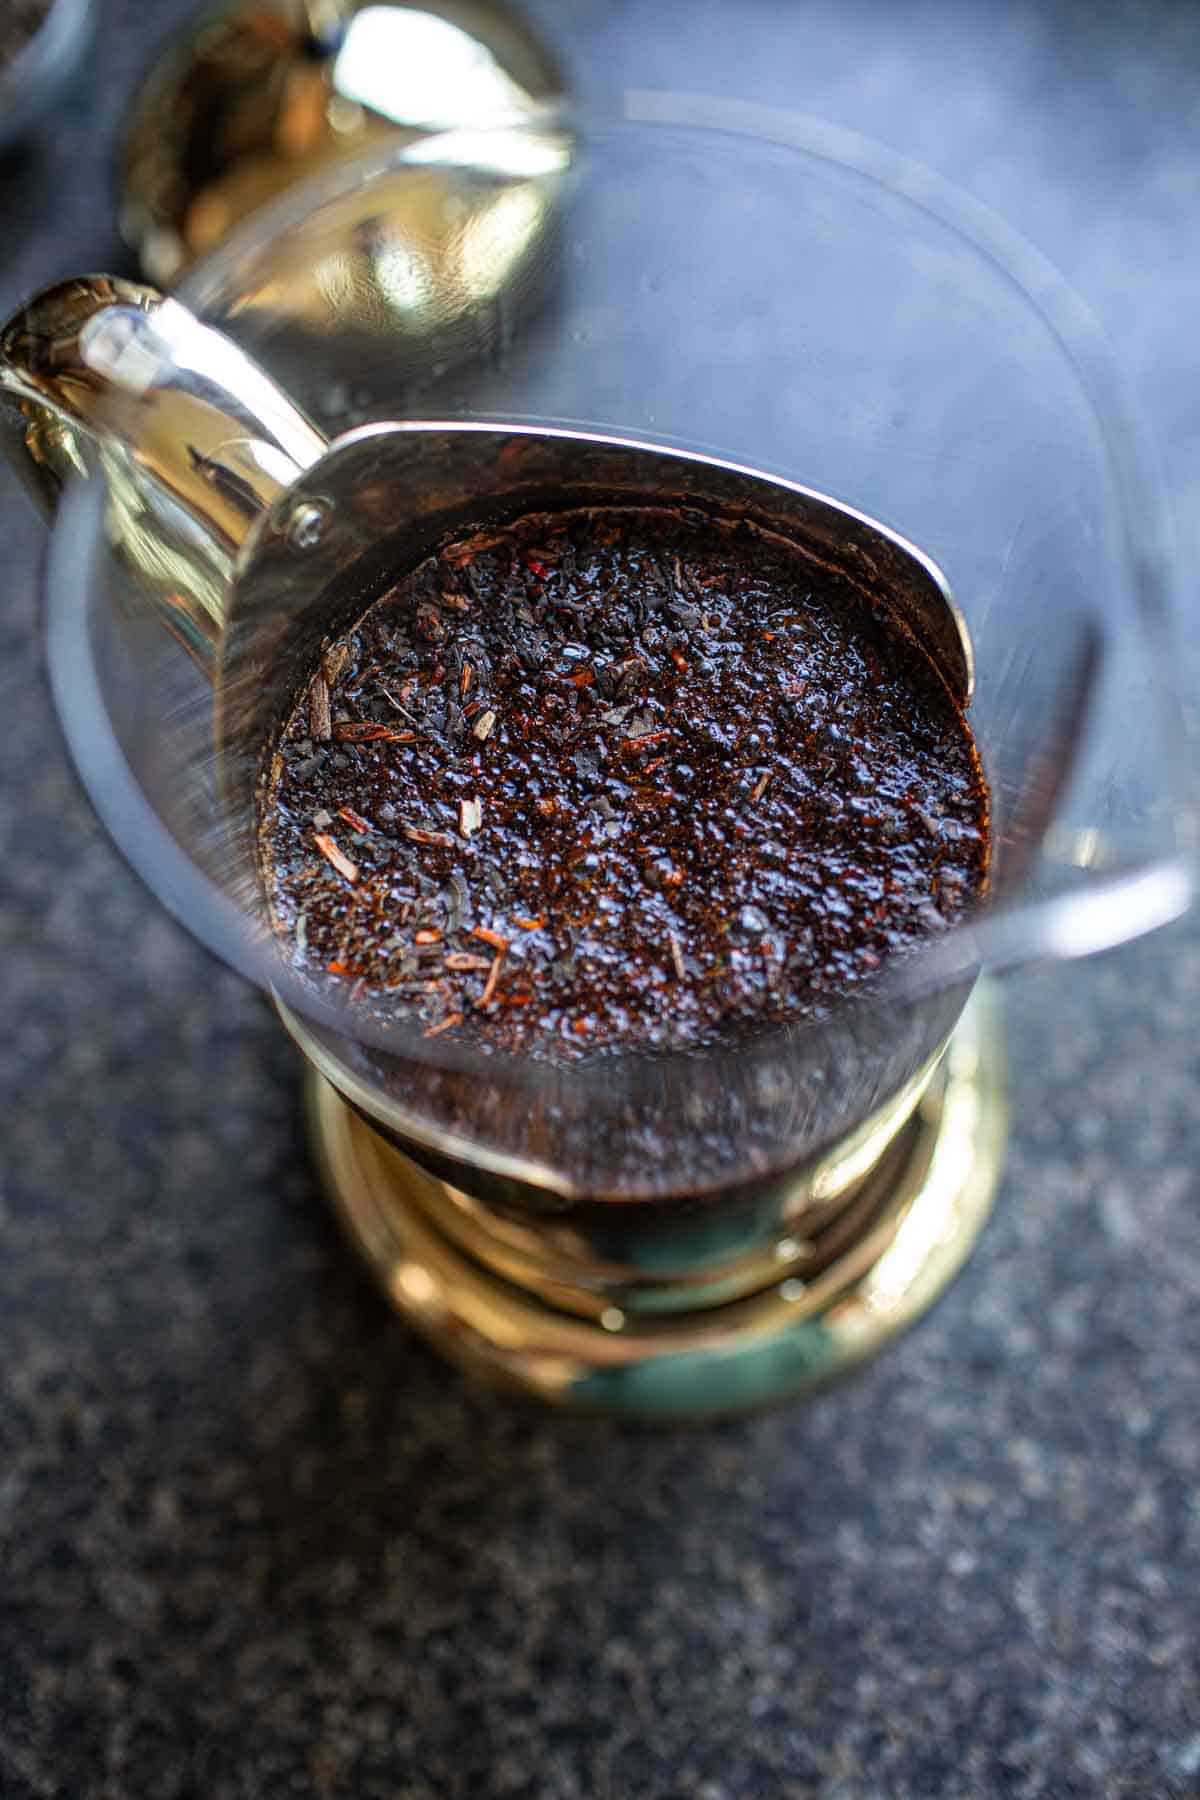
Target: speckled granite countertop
(256,1542)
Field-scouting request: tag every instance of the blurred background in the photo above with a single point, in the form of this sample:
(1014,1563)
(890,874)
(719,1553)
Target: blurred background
(256,1541)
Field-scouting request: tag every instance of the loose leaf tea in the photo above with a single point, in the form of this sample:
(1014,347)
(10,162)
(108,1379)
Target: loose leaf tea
(620,777)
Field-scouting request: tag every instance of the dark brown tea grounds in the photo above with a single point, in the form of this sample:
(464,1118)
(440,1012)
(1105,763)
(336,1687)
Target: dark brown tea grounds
(620,778)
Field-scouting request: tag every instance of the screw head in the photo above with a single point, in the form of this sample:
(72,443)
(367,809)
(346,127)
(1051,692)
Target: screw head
(306,523)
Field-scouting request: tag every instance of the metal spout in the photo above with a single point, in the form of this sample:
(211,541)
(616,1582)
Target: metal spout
(193,436)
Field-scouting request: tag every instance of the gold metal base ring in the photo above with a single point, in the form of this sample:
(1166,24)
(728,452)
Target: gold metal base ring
(772,1346)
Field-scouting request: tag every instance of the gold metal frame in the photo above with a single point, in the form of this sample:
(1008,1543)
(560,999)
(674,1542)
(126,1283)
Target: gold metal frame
(901,1233)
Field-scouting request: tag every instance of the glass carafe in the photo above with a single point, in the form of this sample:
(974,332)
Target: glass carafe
(740,310)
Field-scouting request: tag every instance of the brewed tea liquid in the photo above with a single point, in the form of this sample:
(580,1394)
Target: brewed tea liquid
(621,777)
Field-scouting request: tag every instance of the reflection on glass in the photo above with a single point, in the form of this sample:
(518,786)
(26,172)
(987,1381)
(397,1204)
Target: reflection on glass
(419,69)
(526,152)
(432,251)
(496,238)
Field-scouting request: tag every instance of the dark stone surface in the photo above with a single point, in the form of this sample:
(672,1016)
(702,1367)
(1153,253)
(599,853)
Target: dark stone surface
(255,1541)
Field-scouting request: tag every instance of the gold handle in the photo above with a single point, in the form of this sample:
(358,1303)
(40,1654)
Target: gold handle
(195,440)
(203,421)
